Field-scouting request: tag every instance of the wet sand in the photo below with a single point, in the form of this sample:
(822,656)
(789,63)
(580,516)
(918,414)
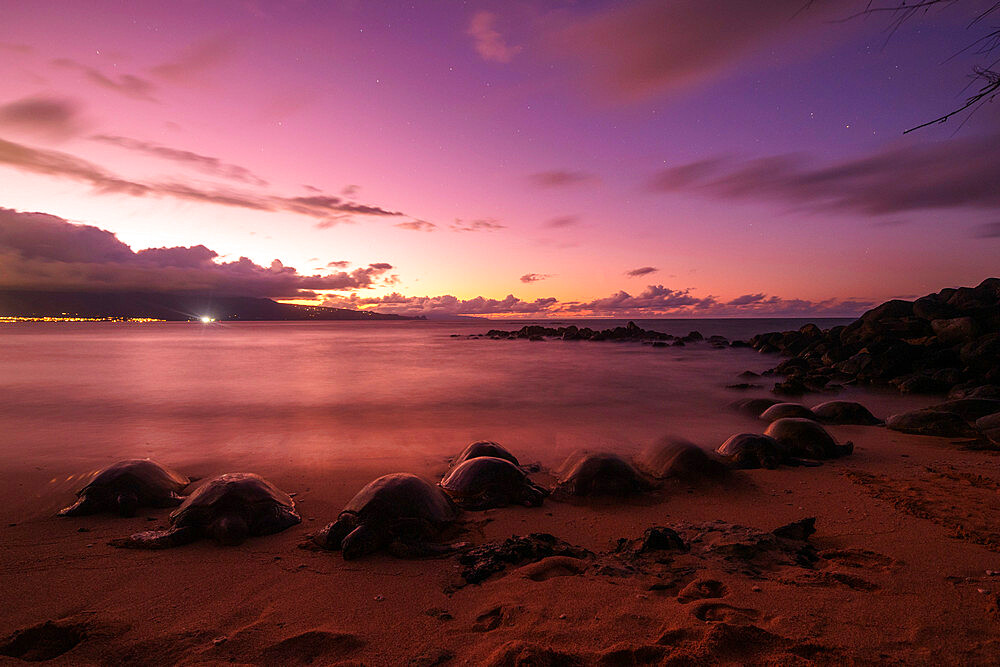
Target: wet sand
(907,534)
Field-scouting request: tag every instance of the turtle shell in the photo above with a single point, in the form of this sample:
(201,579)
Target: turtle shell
(785,410)
(600,473)
(242,491)
(401,496)
(844,412)
(806,438)
(488,478)
(752,406)
(678,458)
(146,478)
(751,450)
(485,448)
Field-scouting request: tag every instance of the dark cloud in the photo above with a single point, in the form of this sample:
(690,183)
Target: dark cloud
(989,230)
(559,178)
(191,63)
(330,210)
(203,163)
(417,225)
(633,50)
(563,221)
(49,116)
(641,271)
(534,277)
(481,225)
(488,41)
(746,299)
(40,251)
(958,173)
(339,264)
(125,84)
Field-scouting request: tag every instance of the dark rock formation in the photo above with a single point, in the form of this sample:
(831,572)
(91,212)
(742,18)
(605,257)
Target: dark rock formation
(940,343)
(628,333)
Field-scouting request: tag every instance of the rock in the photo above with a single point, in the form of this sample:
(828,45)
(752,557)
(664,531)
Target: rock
(955,330)
(969,409)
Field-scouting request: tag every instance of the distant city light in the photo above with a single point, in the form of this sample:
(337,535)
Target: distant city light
(206,319)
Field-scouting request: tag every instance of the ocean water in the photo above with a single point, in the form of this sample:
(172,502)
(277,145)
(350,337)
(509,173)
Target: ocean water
(377,394)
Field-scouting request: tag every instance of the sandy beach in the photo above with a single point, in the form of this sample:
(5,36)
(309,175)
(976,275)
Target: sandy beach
(906,536)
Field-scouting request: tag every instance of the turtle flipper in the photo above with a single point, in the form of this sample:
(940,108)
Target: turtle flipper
(158,539)
(84,505)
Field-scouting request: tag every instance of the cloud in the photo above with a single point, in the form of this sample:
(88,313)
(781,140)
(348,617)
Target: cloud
(653,301)
(534,277)
(634,50)
(641,271)
(560,178)
(45,252)
(563,221)
(417,225)
(57,118)
(958,173)
(125,84)
(481,225)
(203,163)
(193,61)
(488,41)
(340,264)
(328,209)
(989,230)
(443,305)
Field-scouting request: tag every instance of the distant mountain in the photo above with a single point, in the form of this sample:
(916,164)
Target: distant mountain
(169,306)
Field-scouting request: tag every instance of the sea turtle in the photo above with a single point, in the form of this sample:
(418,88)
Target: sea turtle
(128,485)
(398,511)
(752,406)
(679,459)
(485,482)
(228,509)
(751,450)
(599,474)
(806,438)
(484,448)
(844,412)
(783,410)
(929,421)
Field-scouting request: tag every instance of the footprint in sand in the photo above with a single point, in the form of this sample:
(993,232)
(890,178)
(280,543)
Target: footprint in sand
(722,612)
(700,589)
(45,641)
(310,647)
(860,558)
(495,617)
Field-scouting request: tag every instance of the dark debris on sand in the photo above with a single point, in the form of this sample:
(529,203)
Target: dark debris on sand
(482,562)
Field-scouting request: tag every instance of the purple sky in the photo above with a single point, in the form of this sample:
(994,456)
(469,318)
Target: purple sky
(688,158)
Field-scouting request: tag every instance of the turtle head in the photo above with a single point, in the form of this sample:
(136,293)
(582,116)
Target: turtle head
(335,532)
(127,503)
(361,541)
(229,529)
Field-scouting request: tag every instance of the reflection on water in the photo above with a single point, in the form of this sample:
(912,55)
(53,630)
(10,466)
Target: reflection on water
(314,394)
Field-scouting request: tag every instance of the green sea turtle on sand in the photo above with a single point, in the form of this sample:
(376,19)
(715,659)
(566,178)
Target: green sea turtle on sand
(752,450)
(599,474)
(806,438)
(485,482)
(783,410)
(127,485)
(844,412)
(399,512)
(228,509)
(485,448)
